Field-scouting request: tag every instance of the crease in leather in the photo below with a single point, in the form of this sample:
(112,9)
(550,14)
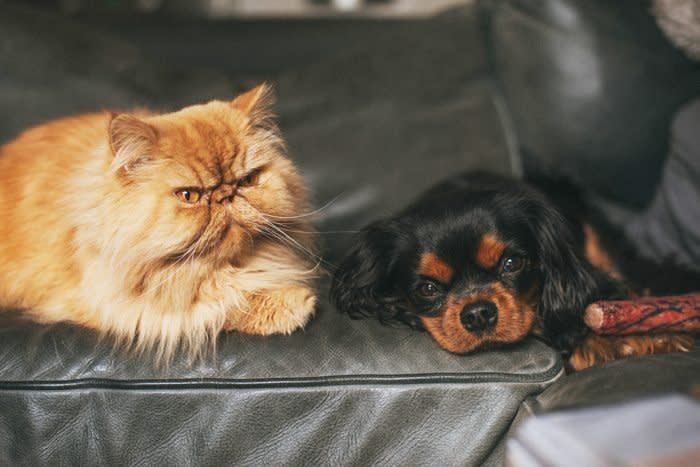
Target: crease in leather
(327,381)
(509,134)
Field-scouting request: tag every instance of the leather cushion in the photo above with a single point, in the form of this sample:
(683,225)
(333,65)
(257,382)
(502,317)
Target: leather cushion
(341,391)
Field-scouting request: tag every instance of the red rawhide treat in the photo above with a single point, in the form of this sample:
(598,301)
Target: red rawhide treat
(680,313)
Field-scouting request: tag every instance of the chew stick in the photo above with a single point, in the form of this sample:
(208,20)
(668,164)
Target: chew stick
(680,313)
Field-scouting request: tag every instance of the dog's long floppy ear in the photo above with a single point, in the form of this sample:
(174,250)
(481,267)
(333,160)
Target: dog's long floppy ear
(570,282)
(362,285)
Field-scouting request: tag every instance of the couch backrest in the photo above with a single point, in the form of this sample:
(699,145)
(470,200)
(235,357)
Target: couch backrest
(592,86)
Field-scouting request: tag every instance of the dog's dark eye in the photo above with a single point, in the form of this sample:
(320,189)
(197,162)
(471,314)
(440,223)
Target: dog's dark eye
(428,290)
(512,264)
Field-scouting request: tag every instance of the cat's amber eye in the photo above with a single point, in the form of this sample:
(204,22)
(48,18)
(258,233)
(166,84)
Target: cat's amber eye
(251,178)
(188,195)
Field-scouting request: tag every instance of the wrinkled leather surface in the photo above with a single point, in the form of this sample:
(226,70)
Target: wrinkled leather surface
(624,380)
(341,391)
(592,86)
(331,346)
(616,382)
(369,131)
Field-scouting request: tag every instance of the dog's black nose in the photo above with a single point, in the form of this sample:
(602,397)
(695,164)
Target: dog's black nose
(479,316)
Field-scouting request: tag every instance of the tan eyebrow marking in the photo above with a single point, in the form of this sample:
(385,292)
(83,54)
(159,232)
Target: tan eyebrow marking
(489,252)
(435,268)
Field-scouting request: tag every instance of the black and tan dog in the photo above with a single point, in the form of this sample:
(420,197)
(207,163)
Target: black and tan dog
(482,260)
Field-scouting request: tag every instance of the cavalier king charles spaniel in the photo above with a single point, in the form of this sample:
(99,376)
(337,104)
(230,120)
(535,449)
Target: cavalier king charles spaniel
(482,260)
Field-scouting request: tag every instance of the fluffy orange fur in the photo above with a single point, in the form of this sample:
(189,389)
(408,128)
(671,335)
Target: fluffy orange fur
(161,230)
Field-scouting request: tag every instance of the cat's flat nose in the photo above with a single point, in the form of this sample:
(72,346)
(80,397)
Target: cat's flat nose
(223,194)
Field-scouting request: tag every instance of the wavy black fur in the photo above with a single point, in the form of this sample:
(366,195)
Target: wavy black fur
(543,219)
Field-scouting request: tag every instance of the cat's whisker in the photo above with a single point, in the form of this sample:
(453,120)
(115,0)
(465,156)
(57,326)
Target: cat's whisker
(282,235)
(324,232)
(275,236)
(250,237)
(316,268)
(186,257)
(284,238)
(306,214)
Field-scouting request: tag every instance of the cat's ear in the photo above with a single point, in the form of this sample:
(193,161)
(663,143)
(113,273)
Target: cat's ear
(255,102)
(131,140)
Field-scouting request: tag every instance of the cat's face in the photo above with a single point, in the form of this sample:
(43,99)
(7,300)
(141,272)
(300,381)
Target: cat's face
(207,181)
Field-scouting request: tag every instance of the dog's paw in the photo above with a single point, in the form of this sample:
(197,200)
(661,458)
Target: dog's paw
(593,350)
(599,349)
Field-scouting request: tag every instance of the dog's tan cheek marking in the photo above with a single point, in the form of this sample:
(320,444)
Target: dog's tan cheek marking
(508,324)
(435,268)
(433,325)
(489,252)
(516,314)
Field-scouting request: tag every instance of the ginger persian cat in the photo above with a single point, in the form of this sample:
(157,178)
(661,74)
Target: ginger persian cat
(162,230)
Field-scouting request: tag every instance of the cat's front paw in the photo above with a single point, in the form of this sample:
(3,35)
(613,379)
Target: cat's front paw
(278,311)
